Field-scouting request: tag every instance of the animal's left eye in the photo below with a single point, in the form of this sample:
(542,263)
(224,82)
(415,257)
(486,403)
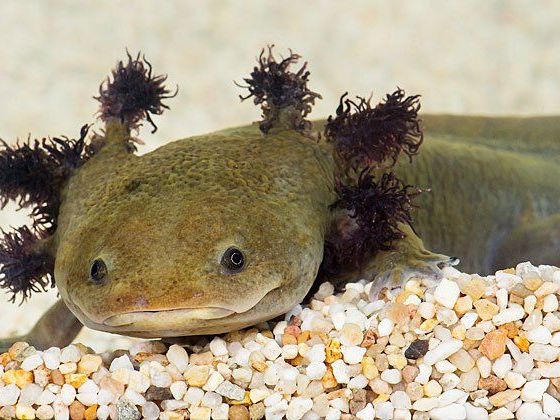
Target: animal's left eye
(98,271)
(233,259)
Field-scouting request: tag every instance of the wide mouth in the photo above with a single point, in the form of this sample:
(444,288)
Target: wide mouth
(135,317)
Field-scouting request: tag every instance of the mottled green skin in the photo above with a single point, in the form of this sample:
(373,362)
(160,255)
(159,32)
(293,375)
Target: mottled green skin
(162,221)
(490,178)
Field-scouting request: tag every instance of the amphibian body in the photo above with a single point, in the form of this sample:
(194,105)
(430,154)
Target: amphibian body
(218,232)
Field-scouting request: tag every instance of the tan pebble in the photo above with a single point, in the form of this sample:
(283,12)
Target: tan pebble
(245,401)
(532,281)
(296,361)
(409,373)
(369,369)
(351,334)
(67,368)
(398,313)
(463,305)
(89,363)
(328,380)
(268,334)
(432,389)
(5,358)
(332,351)
(510,328)
(381,398)
(75,379)
(111,385)
(462,360)
(91,412)
(402,296)
(493,345)
(288,339)
(470,344)
(57,377)
(259,365)
(197,375)
(486,309)
(16,349)
(546,288)
(429,324)
(492,384)
(303,337)
(19,377)
(369,338)
(293,330)
(257,411)
(398,361)
(505,397)
(522,343)
(474,288)
(238,412)
(42,376)
(414,390)
(201,359)
(382,362)
(77,410)
(459,332)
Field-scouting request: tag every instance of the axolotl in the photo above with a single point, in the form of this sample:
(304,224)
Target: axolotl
(221,231)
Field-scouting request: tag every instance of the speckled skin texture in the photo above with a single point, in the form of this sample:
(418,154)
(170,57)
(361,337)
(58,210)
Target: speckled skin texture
(162,221)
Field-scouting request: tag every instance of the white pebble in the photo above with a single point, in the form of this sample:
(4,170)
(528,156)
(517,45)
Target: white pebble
(514,313)
(9,394)
(297,407)
(32,362)
(502,365)
(551,406)
(391,376)
(366,413)
(400,399)
(122,362)
(447,293)
(450,412)
(30,394)
(70,354)
(384,410)
(540,334)
(67,394)
(51,357)
(44,412)
(340,371)
(530,411)
(271,350)
(178,356)
(316,370)
(534,390)
(218,347)
(385,327)
(353,354)
(442,351)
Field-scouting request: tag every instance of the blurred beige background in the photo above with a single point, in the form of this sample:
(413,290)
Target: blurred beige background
(476,57)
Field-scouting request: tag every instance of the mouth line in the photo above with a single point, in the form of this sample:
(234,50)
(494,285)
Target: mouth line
(208,313)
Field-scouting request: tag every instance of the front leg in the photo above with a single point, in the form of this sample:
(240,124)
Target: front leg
(57,327)
(408,259)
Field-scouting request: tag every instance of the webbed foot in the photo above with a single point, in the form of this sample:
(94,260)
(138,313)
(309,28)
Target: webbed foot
(396,268)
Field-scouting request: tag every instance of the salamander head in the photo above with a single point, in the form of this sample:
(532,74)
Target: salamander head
(194,238)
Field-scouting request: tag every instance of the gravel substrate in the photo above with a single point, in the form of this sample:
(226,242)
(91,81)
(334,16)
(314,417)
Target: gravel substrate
(468,347)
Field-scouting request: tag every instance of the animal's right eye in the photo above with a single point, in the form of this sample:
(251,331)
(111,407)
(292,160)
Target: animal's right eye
(233,260)
(98,272)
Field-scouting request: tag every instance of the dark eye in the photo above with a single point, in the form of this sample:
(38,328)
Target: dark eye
(98,271)
(233,260)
